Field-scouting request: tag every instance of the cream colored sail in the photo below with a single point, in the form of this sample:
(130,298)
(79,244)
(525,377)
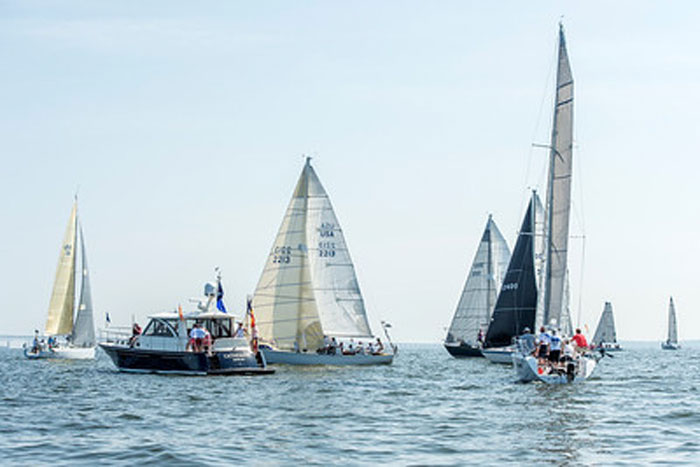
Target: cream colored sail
(60,319)
(308,287)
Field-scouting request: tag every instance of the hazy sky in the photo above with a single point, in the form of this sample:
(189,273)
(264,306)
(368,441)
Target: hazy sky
(183,124)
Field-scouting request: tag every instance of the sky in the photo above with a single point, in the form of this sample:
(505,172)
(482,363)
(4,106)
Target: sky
(182,126)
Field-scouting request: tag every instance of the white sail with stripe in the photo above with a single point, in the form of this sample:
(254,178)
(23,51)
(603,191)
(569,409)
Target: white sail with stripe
(672,324)
(481,288)
(558,204)
(308,287)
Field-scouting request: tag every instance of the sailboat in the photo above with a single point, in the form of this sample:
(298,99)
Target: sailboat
(479,294)
(516,306)
(552,307)
(605,336)
(672,339)
(308,305)
(67,318)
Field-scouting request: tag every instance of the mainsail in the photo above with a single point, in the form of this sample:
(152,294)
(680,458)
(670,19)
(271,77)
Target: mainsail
(605,332)
(60,318)
(672,324)
(481,288)
(559,191)
(308,287)
(84,328)
(517,301)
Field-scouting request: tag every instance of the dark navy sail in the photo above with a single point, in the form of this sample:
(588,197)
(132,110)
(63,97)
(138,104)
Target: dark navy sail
(517,302)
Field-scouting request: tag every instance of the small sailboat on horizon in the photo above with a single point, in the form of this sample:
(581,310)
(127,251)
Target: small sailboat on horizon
(68,319)
(671,342)
(465,335)
(605,336)
(308,303)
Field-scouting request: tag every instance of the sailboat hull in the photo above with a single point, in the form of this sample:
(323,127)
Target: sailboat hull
(463,350)
(233,362)
(502,355)
(669,346)
(527,369)
(65,353)
(305,358)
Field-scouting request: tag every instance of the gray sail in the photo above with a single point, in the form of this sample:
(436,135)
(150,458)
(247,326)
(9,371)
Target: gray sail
(605,332)
(672,324)
(84,329)
(559,191)
(481,288)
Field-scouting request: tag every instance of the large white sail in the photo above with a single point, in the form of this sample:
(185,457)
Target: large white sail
(559,190)
(605,332)
(672,324)
(481,288)
(60,318)
(84,328)
(308,287)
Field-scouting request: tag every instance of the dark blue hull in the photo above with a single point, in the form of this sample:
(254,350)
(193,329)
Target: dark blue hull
(464,351)
(233,362)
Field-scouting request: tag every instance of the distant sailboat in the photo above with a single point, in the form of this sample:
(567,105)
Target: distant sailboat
(605,336)
(672,339)
(479,294)
(66,318)
(552,307)
(308,301)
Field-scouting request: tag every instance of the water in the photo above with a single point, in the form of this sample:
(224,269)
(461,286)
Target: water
(428,408)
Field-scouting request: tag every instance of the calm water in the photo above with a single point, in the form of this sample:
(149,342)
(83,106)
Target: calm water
(427,408)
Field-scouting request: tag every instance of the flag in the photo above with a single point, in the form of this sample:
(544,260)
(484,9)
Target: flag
(179,312)
(250,313)
(220,297)
(107,319)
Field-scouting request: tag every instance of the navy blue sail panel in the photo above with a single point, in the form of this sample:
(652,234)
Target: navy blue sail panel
(517,302)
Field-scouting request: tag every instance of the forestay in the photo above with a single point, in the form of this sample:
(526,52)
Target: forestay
(60,317)
(308,287)
(481,288)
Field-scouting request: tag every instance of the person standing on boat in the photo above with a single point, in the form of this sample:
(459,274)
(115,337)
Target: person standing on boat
(197,336)
(554,347)
(527,342)
(380,346)
(543,344)
(480,337)
(35,342)
(240,332)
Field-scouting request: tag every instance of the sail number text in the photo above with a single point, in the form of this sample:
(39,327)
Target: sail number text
(282,254)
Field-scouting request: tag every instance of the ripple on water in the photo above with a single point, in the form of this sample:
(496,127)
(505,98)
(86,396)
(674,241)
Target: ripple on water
(427,408)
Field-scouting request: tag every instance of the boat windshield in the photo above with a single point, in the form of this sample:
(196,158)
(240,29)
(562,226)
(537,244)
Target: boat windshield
(159,327)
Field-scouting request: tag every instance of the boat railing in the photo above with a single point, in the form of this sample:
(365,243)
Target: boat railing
(115,335)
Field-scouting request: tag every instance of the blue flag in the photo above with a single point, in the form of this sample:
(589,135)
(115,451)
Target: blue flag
(107,317)
(220,297)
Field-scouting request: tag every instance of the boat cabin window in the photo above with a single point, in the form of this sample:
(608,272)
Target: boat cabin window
(216,327)
(160,328)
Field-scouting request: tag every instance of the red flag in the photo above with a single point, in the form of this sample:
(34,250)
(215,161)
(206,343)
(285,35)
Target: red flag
(179,312)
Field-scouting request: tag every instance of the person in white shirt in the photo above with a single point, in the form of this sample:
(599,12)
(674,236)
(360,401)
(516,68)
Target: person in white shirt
(542,345)
(568,352)
(360,348)
(240,332)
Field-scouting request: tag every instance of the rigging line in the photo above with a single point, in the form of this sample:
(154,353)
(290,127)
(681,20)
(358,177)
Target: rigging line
(544,98)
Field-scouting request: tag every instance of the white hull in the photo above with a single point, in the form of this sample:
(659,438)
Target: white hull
(526,370)
(670,346)
(65,353)
(503,355)
(303,358)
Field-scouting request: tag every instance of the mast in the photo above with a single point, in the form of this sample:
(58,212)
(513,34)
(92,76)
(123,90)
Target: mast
(559,189)
(489,270)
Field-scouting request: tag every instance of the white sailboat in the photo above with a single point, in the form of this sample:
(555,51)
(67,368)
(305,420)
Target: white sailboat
(671,342)
(68,319)
(479,295)
(605,336)
(308,305)
(553,309)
